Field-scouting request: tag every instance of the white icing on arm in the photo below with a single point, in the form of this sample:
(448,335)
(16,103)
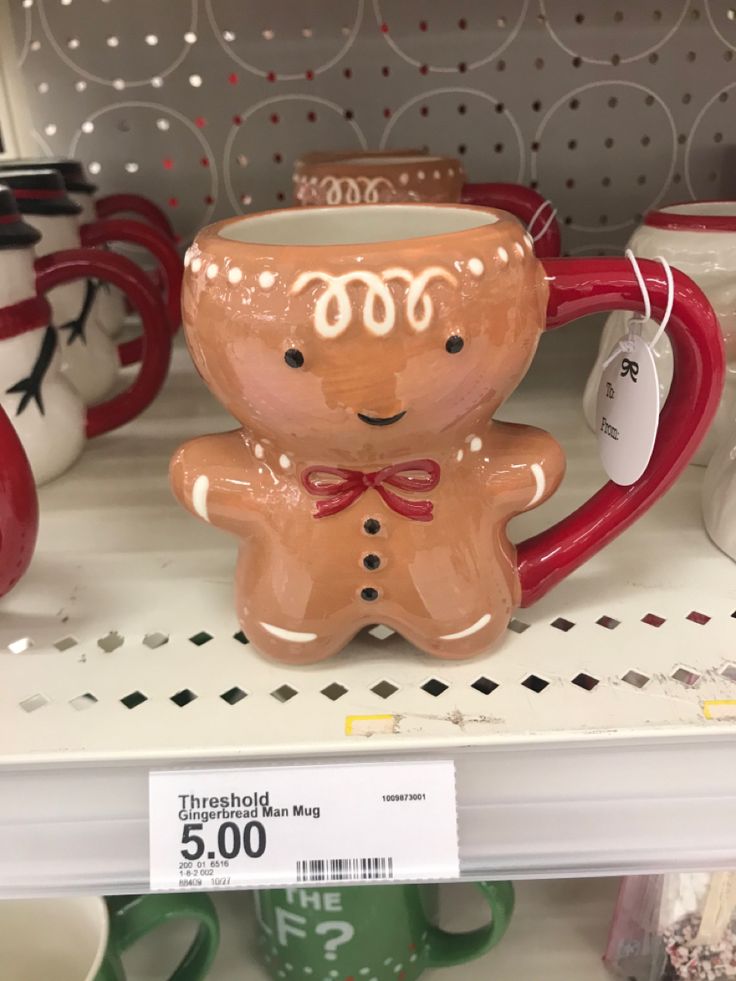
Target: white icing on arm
(199,496)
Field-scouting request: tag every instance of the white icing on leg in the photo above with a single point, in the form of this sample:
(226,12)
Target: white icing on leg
(539,481)
(473,629)
(295,636)
(199,496)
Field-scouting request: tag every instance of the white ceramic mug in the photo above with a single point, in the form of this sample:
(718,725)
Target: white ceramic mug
(699,238)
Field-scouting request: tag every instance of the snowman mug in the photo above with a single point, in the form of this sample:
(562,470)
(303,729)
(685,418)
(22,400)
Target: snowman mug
(395,176)
(18,508)
(81,938)
(369,933)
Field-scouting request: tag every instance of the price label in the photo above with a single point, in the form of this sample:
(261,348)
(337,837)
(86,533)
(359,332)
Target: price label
(367,822)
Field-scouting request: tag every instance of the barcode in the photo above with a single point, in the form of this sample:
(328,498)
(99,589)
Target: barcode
(341,869)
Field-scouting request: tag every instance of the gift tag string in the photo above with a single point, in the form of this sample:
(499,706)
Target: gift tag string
(626,344)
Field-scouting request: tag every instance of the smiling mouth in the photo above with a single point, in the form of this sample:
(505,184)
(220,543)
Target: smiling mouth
(381,420)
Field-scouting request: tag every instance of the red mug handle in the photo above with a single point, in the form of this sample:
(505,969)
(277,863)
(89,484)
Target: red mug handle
(161,248)
(579,287)
(533,211)
(70,264)
(121,204)
(18,507)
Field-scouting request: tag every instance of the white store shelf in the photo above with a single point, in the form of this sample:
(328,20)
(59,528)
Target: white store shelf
(558,933)
(565,781)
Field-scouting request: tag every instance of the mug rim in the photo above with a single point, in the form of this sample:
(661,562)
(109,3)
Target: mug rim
(679,221)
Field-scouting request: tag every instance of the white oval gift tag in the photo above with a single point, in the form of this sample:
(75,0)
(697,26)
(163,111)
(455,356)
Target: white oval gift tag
(628,411)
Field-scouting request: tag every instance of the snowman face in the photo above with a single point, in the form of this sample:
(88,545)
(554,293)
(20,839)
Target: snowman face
(60,232)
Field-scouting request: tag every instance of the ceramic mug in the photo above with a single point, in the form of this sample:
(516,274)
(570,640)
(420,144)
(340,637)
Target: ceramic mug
(46,410)
(82,938)
(719,494)
(371,933)
(90,359)
(699,238)
(395,176)
(363,352)
(110,306)
(18,508)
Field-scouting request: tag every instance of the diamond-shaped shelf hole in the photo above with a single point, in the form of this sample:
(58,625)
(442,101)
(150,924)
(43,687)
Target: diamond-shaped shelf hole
(653,620)
(240,637)
(610,623)
(20,646)
(562,624)
(284,693)
(699,618)
(183,697)
(83,702)
(64,643)
(518,626)
(155,640)
(434,687)
(729,671)
(535,683)
(384,689)
(585,681)
(381,632)
(233,695)
(134,699)
(201,638)
(34,702)
(334,691)
(484,685)
(686,677)
(110,642)
(635,678)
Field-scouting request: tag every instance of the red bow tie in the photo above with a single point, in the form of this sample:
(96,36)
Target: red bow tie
(414,475)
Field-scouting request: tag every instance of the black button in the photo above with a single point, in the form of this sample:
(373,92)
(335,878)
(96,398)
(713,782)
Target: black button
(371,561)
(369,594)
(372,526)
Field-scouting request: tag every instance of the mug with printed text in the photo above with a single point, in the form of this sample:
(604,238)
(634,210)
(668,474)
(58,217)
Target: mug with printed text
(83,938)
(369,933)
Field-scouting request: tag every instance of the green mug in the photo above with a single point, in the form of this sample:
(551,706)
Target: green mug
(82,938)
(368,933)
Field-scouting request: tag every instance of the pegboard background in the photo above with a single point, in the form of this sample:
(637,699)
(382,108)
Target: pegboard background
(609,108)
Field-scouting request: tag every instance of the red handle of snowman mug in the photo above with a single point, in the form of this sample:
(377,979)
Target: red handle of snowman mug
(61,267)
(18,507)
(579,287)
(533,211)
(161,248)
(121,204)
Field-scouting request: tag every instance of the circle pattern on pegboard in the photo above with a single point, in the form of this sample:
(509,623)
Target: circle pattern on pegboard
(596,180)
(722,17)
(293,125)
(154,48)
(708,160)
(475,127)
(423,32)
(176,160)
(587,35)
(272,41)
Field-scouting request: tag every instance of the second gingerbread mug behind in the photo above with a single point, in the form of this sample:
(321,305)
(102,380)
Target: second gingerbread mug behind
(396,176)
(364,352)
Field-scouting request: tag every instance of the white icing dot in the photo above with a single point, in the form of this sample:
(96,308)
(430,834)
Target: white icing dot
(420,175)
(195,81)
(450,171)
(212,270)
(259,451)
(476,444)
(200,490)
(266,280)
(187,258)
(502,255)
(476,267)
(436,175)
(284,462)
(196,264)
(519,249)
(403,178)
(151,39)
(234,275)
(459,455)
(529,242)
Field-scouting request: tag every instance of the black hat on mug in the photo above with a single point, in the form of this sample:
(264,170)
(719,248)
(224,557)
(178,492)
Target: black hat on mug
(14,232)
(40,192)
(73,172)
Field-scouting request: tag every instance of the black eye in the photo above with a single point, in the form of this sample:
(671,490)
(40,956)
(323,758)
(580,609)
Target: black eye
(294,358)
(454,344)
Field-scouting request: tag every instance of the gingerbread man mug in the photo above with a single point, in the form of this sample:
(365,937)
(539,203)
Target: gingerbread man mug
(395,176)
(364,352)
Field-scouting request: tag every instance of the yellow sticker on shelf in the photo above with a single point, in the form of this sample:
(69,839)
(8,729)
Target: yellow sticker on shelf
(717,709)
(368,725)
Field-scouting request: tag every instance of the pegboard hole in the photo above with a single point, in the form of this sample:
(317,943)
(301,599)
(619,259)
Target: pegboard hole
(635,678)
(155,640)
(384,689)
(729,671)
(110,642)
(572,144)
(233,695)
(183,697)
(434,687)
(579,18)
(610,623)
(608,142)
(134,699)
(606,181)
(484,685)
(718,137)
(284,693)
(539,63)
(334,691)
(585,681)
(653,620)
(64,643)
(700,618)
(562,624)
(518,626)
(535,683)
(577,61)
(200,638)
(20,646)
(34,702)
(645,140)
(686,677)
(83,702)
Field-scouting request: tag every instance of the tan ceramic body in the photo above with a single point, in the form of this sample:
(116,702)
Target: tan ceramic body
(450,584)
(376,177)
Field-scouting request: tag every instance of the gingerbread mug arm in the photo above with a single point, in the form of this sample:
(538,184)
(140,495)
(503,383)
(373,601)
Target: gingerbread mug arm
(529,466)
(579,287)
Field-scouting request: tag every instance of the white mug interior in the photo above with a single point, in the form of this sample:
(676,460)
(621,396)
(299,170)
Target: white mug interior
(702,209)
(381,160)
